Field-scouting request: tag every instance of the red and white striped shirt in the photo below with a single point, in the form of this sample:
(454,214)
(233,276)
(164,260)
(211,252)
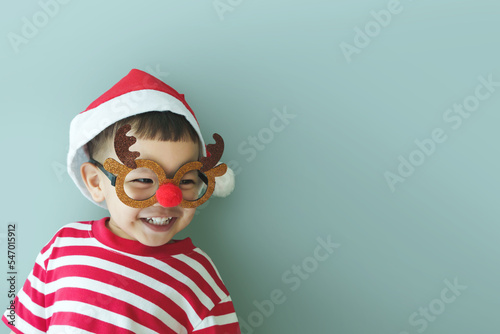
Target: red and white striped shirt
(88,280)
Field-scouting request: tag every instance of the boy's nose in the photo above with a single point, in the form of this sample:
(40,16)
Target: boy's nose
(169,195)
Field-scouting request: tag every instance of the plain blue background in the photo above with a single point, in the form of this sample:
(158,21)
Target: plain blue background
(319,175)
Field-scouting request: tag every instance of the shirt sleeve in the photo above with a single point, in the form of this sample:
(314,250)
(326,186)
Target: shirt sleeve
(27,313)
(220,320)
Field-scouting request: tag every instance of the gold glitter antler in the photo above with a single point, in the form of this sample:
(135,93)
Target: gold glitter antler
(215,153)
(122,146)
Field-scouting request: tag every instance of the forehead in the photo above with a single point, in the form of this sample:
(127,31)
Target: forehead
(169,155)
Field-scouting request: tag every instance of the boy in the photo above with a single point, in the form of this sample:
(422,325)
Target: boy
(149,166)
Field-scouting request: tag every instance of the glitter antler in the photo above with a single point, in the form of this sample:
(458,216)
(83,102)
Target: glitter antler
(122,146)
(215,153)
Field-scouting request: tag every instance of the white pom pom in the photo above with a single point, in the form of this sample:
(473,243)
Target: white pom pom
(224,185)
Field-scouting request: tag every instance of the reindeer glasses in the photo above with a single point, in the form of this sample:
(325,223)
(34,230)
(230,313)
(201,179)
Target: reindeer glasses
(140,183)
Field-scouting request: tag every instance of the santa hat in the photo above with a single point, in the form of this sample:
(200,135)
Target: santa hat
(138,92)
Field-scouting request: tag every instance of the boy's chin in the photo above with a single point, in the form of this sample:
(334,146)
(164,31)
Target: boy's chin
(155,240)
(155,244)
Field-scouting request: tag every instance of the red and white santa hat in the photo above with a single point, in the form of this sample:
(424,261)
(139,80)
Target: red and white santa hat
(138,92)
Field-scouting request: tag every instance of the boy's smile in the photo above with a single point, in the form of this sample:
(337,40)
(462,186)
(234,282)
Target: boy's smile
(154,225)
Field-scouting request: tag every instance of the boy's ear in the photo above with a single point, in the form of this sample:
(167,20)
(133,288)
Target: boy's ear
(92,179)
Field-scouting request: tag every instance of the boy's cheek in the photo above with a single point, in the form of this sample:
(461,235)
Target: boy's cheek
(190,212)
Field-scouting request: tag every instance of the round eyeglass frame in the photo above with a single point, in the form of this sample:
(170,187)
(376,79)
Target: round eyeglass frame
(117,172)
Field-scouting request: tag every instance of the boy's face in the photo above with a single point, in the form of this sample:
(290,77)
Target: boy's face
(132,223)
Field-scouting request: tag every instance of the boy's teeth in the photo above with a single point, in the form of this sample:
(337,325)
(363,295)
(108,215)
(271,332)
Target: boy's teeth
(159,220)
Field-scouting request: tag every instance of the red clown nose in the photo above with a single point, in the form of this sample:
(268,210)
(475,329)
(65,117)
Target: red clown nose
(169,195)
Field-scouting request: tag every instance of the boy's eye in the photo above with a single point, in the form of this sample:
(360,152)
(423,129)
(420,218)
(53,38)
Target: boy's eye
(143,180)
(186,182)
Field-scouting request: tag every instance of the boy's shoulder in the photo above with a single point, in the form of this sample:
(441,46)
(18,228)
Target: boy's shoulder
(75,229)
(78,229)
(64,236)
